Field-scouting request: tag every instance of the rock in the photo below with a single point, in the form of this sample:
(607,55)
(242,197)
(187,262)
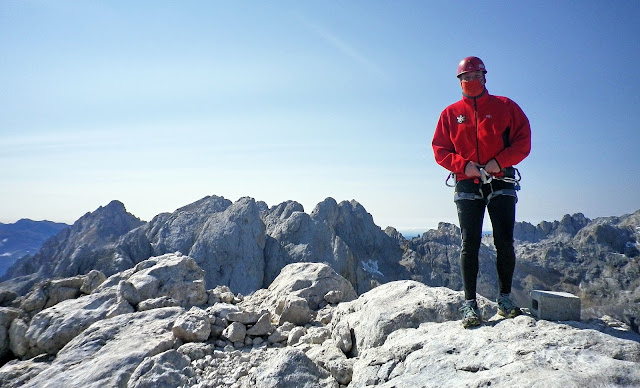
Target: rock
(171,275)
(312,282)
(18,342)
(109,351)
(235,332)
(166,370)
(196,350)
(244,317)
(52,328)
(295,310)
(230,247)
(262,327)
(532,353)
(291,368)
(342,337)
(77,249)
(128,292)
(332,359)
(398,333)
(156,303)
(343,235)
(35,300)
(401,304)
(93,279)
(16,374)
(7,297)
(222,310)
(62,289)
(316,335)
(300,288)
(334,296)
(295,334)
(7,316)
(194,326)
(282,333)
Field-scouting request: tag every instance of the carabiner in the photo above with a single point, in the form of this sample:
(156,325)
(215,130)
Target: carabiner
(486,177)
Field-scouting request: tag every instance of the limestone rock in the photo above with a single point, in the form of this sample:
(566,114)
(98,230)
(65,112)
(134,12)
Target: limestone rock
(77,250)
(196,350)
(18,343)
(310,281)
(342,337)
(128,292)
(316,335)
(222,310)
(532,353)
(156,303)
(51,329)
(235,332)
(281,333)
(91,281)
(334,296)
(262,327)
(244,317)
(109,351)
(7,316)
(171,275)
(230,247)
(194,326)
(333,360)
(291,368)
(15,373)
(401,304)
(342,235)
(34,300)
(295,335)
(166,370)
(294,309)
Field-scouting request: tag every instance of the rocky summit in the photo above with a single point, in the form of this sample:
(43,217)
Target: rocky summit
(156,325)
(237,294)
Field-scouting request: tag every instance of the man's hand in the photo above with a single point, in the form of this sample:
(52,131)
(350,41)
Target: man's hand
(471,170)
(492,167)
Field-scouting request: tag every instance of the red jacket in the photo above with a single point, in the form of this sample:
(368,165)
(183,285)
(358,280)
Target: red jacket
(481,129)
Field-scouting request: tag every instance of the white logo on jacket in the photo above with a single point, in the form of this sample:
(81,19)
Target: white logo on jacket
(461,119)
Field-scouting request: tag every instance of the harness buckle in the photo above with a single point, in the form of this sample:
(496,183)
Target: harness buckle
(486,177)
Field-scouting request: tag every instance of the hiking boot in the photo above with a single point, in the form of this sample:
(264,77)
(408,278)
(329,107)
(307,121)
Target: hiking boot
(507,308)
(470,314)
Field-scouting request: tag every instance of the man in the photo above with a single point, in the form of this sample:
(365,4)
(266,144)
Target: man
(479,139)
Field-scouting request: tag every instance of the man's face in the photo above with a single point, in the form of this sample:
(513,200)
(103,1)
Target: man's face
(470,76)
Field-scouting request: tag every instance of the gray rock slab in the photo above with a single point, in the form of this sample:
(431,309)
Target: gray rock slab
(108,352)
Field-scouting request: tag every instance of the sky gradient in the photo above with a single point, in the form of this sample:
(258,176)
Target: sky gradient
(160,103)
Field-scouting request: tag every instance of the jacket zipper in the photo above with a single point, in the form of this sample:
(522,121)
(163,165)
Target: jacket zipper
(475,111)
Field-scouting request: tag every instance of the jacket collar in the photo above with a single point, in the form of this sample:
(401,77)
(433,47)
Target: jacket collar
(479,98)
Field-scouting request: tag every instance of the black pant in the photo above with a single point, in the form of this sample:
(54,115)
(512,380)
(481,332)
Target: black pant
(502,212)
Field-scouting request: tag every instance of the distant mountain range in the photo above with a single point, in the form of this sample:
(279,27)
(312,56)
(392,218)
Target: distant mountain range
(22,238)
(245,244)
(239,294)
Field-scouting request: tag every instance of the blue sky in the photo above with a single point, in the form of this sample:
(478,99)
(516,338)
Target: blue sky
(160,103)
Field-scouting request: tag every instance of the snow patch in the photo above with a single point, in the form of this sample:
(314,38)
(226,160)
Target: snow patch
(371,267)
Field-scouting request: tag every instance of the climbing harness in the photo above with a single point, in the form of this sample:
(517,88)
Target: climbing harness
(513,177)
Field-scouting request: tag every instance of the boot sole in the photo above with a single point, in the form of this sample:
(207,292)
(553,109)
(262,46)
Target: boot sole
(471,323)
(512,314)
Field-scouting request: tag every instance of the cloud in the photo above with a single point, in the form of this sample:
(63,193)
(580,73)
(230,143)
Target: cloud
(342,46)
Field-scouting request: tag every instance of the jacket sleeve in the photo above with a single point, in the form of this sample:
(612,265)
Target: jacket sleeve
(443,148)
(519,139)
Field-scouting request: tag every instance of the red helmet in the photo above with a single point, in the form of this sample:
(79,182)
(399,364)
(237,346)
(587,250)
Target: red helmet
(471,64)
